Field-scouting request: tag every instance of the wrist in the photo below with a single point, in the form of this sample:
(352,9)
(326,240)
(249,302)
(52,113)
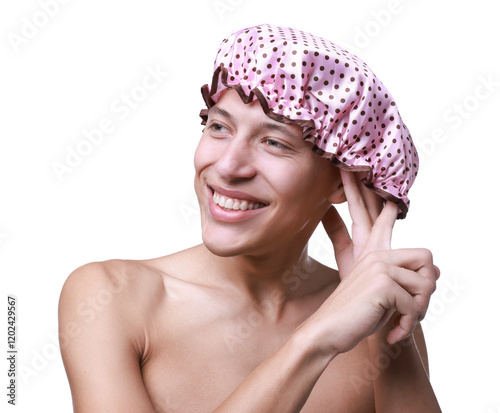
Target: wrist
(309,343)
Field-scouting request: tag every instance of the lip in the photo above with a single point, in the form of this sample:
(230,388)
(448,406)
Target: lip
(233,216)
(228,193)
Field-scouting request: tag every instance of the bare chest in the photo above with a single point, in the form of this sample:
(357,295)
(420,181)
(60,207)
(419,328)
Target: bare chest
(195,365)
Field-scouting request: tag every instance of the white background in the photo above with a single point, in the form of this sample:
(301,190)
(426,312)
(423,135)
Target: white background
(132,196)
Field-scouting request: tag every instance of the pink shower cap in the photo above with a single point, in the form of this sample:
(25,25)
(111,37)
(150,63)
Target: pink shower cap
(342,107)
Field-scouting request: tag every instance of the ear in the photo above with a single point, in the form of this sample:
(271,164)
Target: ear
(338,194)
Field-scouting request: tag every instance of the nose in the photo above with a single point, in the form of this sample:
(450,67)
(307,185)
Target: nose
(236,160)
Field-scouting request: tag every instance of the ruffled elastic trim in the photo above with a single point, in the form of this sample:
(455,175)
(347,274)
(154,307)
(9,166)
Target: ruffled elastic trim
(366,181)
(307,125)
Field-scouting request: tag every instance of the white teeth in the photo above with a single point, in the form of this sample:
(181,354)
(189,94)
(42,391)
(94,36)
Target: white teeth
(235,204)
(222,201)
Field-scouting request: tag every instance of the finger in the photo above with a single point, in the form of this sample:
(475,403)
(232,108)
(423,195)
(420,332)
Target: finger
(437,271)
(412,269)
(355,201)
(414,259)
(404,329)
(380,237)
(373,202)
(409,314)
(336,229)
(420,288)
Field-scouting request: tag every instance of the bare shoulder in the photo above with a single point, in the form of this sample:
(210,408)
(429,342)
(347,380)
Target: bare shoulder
(104,330)
(129,274)
(109,297)
(111,284)
(128,289)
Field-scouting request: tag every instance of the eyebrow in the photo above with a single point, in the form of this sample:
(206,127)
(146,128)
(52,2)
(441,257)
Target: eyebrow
(279,128)
(220,111)
(274,126)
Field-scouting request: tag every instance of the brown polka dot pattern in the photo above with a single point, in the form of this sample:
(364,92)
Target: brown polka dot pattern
(343,108)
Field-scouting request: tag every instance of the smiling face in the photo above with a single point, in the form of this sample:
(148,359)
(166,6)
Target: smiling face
(259,184)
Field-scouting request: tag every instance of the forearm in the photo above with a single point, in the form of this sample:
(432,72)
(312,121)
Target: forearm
(400,380)
(283,382)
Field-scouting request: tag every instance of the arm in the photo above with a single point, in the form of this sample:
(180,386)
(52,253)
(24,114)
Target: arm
(99,346)
(376,287)
(283,382)
(380,284)
(401,380)
(401,383)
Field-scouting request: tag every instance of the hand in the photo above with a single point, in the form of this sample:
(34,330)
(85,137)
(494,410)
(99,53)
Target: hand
(376,282)
(364,208)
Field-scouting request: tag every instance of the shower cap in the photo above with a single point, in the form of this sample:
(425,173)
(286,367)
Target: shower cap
(343,108)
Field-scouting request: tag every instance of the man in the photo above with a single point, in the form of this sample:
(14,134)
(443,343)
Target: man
(247,321)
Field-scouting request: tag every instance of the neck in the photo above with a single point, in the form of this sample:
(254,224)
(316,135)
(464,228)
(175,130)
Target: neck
(284,272)
(278,272)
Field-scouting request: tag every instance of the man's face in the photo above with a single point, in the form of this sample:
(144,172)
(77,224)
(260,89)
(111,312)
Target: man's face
(259,185)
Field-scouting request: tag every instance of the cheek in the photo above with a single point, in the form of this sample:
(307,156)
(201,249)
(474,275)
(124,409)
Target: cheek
(198,158)
(298,189)
(204,154)
(301,178)
(307,186)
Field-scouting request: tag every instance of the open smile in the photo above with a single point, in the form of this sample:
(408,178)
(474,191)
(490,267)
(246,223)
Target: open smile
(233,206)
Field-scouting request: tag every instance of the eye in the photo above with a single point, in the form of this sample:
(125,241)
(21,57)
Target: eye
(217,127)
(276,144)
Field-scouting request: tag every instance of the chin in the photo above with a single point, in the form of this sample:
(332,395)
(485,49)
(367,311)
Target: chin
(231,239)
(225,246)
(220,250)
